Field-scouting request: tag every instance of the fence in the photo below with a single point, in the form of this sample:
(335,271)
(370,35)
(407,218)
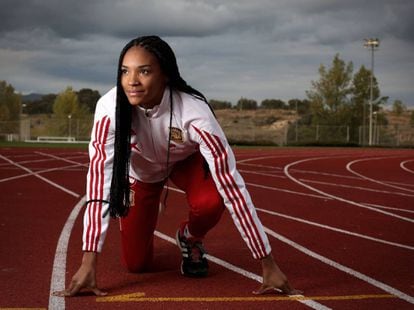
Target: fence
(34,129)
(389,136)
(284,133)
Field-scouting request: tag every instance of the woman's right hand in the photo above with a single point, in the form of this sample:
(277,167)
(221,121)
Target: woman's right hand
(84,278)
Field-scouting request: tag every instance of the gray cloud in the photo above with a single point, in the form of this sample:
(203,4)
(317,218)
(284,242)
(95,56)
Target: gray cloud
(228,49)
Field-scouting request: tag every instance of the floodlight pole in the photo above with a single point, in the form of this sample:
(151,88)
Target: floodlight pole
(70,125)
(372,44)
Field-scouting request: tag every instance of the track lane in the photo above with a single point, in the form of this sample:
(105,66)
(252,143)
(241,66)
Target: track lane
(323,276)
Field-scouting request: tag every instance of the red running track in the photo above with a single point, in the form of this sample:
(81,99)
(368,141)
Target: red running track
(340,222)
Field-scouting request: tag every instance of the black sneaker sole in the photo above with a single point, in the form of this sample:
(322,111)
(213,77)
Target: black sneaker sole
(201,274)
(198,274)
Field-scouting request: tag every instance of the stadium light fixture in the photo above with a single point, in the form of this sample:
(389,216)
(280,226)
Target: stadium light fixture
(372,44)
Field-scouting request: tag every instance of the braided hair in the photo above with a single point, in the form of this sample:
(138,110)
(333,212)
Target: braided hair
(119,201)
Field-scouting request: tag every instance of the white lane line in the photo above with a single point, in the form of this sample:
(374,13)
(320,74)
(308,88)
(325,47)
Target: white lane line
(388,208)
(310,303)
(76,210)
(348,167)
(62,159)
(281,176)
(268,167)
(342,268)
(59,265)
(287,191)
(403,166)
(41,177)
(264,187)
(334,155)
(331,184)
(351,177)
(326,183)
(346,232)
(58,278)
(318,173)
(44,160)
(286,170)
(358,187)
(261,158)
(39,171)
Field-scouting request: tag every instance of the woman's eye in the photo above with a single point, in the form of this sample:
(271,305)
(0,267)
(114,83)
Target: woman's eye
(124,71)
(144,71)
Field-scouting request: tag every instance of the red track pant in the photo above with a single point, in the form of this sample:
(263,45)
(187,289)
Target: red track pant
(137,229)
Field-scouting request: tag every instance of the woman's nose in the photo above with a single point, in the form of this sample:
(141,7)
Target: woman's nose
(133,79)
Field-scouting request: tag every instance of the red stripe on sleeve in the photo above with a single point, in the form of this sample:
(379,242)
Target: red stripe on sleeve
(241,198)
(96,183)
(233,192)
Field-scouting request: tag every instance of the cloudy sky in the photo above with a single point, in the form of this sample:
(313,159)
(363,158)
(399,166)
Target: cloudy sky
(227,49)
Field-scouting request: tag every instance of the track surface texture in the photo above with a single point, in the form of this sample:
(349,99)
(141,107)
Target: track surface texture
(340,222)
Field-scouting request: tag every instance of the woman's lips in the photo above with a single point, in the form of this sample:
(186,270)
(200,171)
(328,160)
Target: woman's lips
(135,93)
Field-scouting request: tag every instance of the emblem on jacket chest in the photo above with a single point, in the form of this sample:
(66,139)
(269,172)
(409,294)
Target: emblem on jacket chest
(177,135)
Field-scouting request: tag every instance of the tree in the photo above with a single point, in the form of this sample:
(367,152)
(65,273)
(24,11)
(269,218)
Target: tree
(88,98)
(67,103)
(398,107)
(246,104)
(361,95)
(329,95)
(273,104)
(301,106)
(66,109)
(10,103)
(360,101)
(217,104)
(42,105)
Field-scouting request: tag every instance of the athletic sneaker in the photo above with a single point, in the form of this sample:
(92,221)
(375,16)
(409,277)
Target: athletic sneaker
(194,264)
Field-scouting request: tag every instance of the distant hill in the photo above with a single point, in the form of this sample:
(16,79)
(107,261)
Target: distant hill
(265,126)
(31,97)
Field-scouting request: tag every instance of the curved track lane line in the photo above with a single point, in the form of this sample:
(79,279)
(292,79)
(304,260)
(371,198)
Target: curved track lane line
(348,167)
(402,165)
(346,232)
(286,170)
(59,264)
(352,272)
(367,189)
(272,188)
(58,279)
(389,208)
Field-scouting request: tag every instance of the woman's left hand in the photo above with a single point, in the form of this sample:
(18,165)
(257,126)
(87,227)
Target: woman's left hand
(274,279)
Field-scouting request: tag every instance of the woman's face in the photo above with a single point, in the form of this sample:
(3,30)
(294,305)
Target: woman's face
(142,79)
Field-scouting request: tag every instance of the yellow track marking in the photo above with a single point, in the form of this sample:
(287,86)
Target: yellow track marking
(140,297)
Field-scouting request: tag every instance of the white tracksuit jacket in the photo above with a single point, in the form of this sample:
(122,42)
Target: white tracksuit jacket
(194,128)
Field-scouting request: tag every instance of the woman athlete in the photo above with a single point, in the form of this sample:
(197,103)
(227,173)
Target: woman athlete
(150,128)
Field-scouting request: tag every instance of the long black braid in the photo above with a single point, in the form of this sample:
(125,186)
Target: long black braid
(119,193)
